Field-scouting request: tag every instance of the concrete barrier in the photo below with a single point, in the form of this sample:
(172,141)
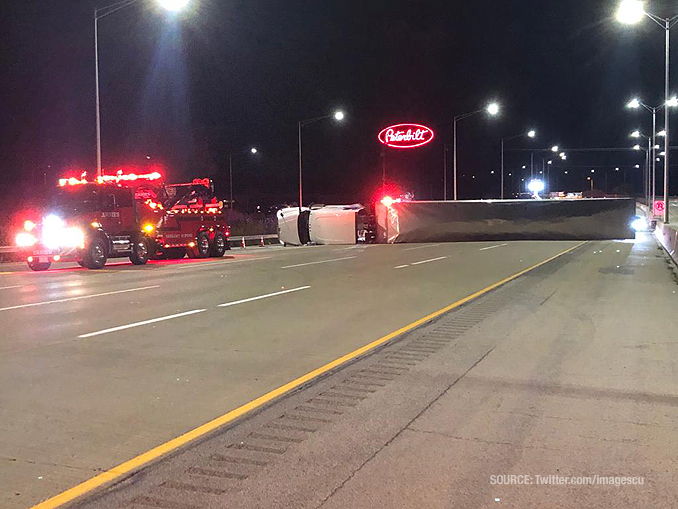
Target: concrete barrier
(668,237)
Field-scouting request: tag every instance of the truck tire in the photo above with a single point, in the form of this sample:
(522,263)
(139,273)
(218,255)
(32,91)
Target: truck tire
(202,247)
(218,246)
(95,254)
(39,267)
(140,252)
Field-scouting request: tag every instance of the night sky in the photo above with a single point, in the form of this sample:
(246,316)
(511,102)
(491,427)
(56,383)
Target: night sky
(188,90)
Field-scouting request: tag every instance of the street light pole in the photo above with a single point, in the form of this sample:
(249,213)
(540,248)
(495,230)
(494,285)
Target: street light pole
(99,14)
(492,109)
(338,116)
(98,104)
(666,125)
(530,134)
(301,174)
(631,12)
(230,178)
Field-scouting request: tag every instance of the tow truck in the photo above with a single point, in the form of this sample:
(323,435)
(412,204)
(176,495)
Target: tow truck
(126,215)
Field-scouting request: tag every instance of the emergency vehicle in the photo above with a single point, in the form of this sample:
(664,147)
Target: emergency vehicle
(126,215)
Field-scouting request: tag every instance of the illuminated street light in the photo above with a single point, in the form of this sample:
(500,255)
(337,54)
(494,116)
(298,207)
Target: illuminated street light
(636,147)
(635,134)
(657,147)
(637,166)
(173,5)
(550,162)
(339,115)
(673,102)
(630,12)
(492,109)
(661,133)
(536,186)
(555,148)
(634,104)
(532,133)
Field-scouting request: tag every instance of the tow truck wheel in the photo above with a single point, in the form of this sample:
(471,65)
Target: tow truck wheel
(202,247)
(140,252)
(95,254)
(218,248)
(39,267)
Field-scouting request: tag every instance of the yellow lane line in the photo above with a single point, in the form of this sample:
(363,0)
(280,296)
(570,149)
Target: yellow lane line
(180,441)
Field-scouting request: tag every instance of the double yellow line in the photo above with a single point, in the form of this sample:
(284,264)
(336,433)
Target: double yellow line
(180,441)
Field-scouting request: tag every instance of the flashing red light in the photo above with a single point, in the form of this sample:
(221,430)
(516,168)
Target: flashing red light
(406,136)
(387,201)
(109,179)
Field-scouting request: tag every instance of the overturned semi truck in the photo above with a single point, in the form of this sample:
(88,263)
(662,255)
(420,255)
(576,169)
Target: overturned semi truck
(395,222)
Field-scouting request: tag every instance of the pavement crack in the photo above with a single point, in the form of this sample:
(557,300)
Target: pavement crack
(49,464)
(480,440)
(405,427)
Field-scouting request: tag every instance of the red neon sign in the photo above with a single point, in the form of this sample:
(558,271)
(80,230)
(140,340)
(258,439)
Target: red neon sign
(406,136)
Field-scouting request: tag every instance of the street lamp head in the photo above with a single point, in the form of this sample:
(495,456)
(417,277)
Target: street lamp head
(173,5)
(339,115)
(554,148)
(550,162)
(635,134)
(563,156)
(673,102)
(493,109)
(254,150)
(637,166)
(531,133)
(636,147)
(630,12)
(634,103)
(661,133)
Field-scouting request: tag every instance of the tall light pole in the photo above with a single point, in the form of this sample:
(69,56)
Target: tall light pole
(635,104)
(492,109)
(631,12)
(338,116)
(650,194)
(530,134)
(254,151)
(170,5)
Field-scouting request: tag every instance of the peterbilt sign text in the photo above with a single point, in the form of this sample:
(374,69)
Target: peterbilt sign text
(406,136)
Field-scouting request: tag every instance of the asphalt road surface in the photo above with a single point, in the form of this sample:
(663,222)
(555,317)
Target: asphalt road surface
(97,367)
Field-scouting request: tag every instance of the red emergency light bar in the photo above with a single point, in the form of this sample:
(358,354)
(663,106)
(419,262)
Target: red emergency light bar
(110,179)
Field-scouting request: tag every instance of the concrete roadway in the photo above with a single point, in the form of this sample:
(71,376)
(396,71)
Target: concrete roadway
(98,367)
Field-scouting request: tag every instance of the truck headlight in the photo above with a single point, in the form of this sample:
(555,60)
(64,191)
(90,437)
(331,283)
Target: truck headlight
(73,237)
(25,239)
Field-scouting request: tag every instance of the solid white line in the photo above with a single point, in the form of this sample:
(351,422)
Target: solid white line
(139,324)
(421,247)
(191,265)
(70,299)
(316,263)
(493,247)
(10,287)
(228,304)
(401,266)
(429,261)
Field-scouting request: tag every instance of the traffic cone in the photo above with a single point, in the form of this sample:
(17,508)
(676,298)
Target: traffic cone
(261,241)
(242,243)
